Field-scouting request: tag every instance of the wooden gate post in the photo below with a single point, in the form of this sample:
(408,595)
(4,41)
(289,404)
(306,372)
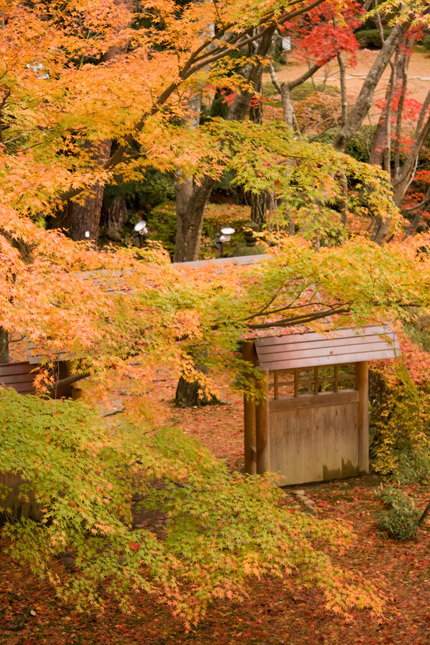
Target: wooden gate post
(250,447)
(362,385)
(262,429)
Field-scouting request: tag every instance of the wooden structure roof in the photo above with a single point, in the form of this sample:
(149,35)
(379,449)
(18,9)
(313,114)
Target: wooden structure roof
(312,349)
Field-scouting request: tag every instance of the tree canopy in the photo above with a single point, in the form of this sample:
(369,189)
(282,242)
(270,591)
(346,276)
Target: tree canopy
(93,92)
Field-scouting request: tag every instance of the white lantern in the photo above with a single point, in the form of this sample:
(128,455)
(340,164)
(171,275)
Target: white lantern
(226,233)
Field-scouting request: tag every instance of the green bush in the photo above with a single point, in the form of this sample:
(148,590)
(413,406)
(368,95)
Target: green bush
(360,145)
(401,520)
(371,38)
(162,225)
(301,92)
(426,42)
(269,90)
(398,423)
(419,331)
(154,188)
(224,530)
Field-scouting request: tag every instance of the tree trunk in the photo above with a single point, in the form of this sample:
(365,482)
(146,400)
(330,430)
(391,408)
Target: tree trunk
(402,75)
(82,221)
(189,219)
(4,346)
(376,153)
(192,204)
(343,89)
(362,105)
(382,141)
(406,173)
(260,202)
(188,395)
(114,216)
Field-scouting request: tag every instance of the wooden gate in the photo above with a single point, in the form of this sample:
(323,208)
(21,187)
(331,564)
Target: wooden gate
(316,435)
(311,423)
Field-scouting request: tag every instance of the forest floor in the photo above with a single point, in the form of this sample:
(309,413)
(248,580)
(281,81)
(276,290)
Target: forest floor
(274,613)
(418,76)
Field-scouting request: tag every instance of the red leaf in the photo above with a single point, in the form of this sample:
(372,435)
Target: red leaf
(134,546)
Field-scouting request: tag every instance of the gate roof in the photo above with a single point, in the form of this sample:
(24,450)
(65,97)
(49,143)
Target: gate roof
(313,349)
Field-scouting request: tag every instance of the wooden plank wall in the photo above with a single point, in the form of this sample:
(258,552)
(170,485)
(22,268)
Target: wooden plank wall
(318,437)
(17,375)
(20,376)
(315,438)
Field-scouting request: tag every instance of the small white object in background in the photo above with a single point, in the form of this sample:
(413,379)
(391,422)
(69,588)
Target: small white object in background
(38,70)
(87,235)
(141,230)
(226,233)
(141,227)
(286,44)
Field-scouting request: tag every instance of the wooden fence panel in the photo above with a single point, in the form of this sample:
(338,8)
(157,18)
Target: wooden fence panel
(19,376)
(315,443)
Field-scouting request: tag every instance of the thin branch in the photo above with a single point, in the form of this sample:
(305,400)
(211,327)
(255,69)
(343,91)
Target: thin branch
(421,205)
(300,320)
(69,380)
(424,515)
(261,312)
(113,413)
(306,75)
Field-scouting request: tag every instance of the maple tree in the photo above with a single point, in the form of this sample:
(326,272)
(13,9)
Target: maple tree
(155,315)
(325,32)
(399,138)
(63,63)
(92,95)
(55,292)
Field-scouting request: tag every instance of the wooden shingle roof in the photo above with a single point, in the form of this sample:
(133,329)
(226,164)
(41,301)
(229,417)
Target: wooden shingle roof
(313,349)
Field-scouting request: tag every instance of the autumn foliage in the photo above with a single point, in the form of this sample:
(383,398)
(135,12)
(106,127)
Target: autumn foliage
(74,77)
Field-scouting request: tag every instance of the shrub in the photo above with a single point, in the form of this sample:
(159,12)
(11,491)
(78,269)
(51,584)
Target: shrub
(399,424)
(399,396)
(303,91)
(224,529)
(371,38)
(154,188)
(426,42)
(360,145)
(269,90)
(162,225)
(300,93)
(401,520)
(317,112)
(419,332)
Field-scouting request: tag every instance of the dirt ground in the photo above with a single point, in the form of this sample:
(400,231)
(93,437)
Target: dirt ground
(418,85)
